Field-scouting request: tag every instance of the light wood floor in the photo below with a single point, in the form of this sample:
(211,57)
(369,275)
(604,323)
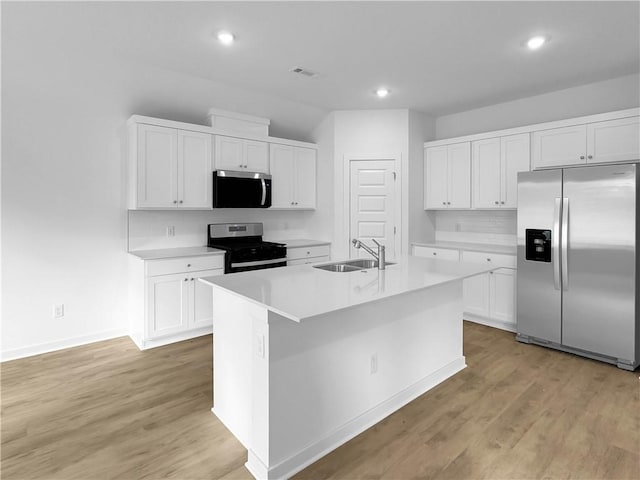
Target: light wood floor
(107,411)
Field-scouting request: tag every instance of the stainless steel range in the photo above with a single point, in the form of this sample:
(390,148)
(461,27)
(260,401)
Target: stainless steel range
(245,249)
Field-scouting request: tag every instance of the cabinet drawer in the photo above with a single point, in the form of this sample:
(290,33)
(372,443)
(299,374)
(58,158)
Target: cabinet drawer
(306,261)
(440,253)
(307,252)
(168,266)
(495,259)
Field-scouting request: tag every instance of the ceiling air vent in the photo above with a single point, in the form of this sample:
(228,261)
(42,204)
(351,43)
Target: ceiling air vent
(304,71)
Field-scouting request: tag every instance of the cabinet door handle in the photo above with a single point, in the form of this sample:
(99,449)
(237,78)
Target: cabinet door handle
(589,157)
(496,202)
(188,265)
(175,201)
(448,203)
(501,203)
(180,201)
(192,279)
(444,203)
(434,253)
(581,157)
(186,279)
(488,259)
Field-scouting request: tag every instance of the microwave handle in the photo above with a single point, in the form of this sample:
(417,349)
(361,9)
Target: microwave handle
(264,191)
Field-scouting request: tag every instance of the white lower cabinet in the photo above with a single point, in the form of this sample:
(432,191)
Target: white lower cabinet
(308,255)
(174,304)
(489,299)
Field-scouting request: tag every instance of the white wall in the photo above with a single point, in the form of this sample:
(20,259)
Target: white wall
(609,95)
(420,222)
(64,217)
(365,133)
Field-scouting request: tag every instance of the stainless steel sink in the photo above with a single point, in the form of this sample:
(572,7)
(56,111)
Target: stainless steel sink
(337,267)
(366,263)
(351,265)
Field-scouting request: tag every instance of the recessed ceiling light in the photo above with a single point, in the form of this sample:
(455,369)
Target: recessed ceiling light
(536,42)
(226,38)
(382,92)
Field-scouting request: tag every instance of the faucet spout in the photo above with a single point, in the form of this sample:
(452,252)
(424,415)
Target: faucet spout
(379,256)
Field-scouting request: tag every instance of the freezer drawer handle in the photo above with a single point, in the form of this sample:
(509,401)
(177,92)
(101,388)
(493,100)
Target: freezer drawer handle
(555,248)
(564,238)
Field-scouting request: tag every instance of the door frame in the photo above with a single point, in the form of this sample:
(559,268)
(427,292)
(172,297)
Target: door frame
(346,193)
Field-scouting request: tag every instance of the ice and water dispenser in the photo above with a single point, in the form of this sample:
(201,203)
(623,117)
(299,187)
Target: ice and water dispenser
(538,245)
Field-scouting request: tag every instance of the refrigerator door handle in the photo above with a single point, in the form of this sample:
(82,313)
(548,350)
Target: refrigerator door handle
(564,238)
(555,235)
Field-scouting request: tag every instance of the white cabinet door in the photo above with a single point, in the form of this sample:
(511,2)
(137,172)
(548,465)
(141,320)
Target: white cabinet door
(282,178)
(256,156)
(229,153)
(502,303)
(459,175)
(435,177)
(305,178)
(613,140)
(559,146)
(194,169)
(167,304)
(486,173)
(201,299)
(515,156)
(157,168)
(475,294)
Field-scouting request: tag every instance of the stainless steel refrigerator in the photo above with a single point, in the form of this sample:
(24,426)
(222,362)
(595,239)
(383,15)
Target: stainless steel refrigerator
(578,264)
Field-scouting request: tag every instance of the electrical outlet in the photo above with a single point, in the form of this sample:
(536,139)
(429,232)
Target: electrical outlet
(171,231)
(58,310)
(374,363)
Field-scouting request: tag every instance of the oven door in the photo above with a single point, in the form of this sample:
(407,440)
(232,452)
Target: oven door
(241,189)
(256,265)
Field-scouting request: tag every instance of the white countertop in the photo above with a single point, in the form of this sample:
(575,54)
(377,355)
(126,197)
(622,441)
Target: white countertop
(301,292)
(472,247)
(175,252)
(302,242)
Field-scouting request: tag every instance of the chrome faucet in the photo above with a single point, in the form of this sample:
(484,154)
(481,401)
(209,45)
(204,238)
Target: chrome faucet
(380,256)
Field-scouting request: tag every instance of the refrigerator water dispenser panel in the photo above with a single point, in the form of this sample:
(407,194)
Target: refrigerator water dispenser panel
(538,245)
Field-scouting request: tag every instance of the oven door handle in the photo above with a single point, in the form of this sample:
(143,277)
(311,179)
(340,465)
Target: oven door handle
(258,262)
(264,191)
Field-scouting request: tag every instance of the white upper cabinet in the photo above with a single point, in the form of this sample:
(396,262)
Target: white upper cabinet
(495,166)
(447,173)
(559,146)
(240,154)
(293,174)
(170,168)
(194,169)
(613,140)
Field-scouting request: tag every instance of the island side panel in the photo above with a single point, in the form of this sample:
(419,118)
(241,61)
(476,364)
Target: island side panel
(235,346)
(322,391)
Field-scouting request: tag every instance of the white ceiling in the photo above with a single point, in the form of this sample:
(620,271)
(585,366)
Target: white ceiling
(436,57)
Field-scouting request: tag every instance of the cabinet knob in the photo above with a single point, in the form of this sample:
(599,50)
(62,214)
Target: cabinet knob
(308,253)
(175,201)
(501,203)
(186,279)
(589,157)
(444,203)
(180,201)
(192,279)
(188,265)
(448,203)
(488,259)
(496,202)
(581,157)
(434,253)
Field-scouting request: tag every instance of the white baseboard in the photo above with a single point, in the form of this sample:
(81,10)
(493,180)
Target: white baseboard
(343,434)
(490,322)
(32,350)
(178,337)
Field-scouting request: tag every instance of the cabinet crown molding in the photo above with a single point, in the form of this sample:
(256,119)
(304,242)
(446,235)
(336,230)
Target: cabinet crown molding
(629,112)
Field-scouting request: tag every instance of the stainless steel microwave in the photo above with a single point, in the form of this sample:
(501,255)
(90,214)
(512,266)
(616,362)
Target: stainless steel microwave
(241,189)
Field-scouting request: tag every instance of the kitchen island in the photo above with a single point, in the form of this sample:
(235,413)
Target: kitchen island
(305,359)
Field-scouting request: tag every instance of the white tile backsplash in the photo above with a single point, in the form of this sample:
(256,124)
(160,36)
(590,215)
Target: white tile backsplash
(148,229)
(477,226)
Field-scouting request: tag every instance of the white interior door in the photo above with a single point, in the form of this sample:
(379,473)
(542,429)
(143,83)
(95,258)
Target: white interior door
(372,205)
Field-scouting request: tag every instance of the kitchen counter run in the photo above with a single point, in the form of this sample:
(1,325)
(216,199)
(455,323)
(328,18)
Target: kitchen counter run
(175,252)
(302,292)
